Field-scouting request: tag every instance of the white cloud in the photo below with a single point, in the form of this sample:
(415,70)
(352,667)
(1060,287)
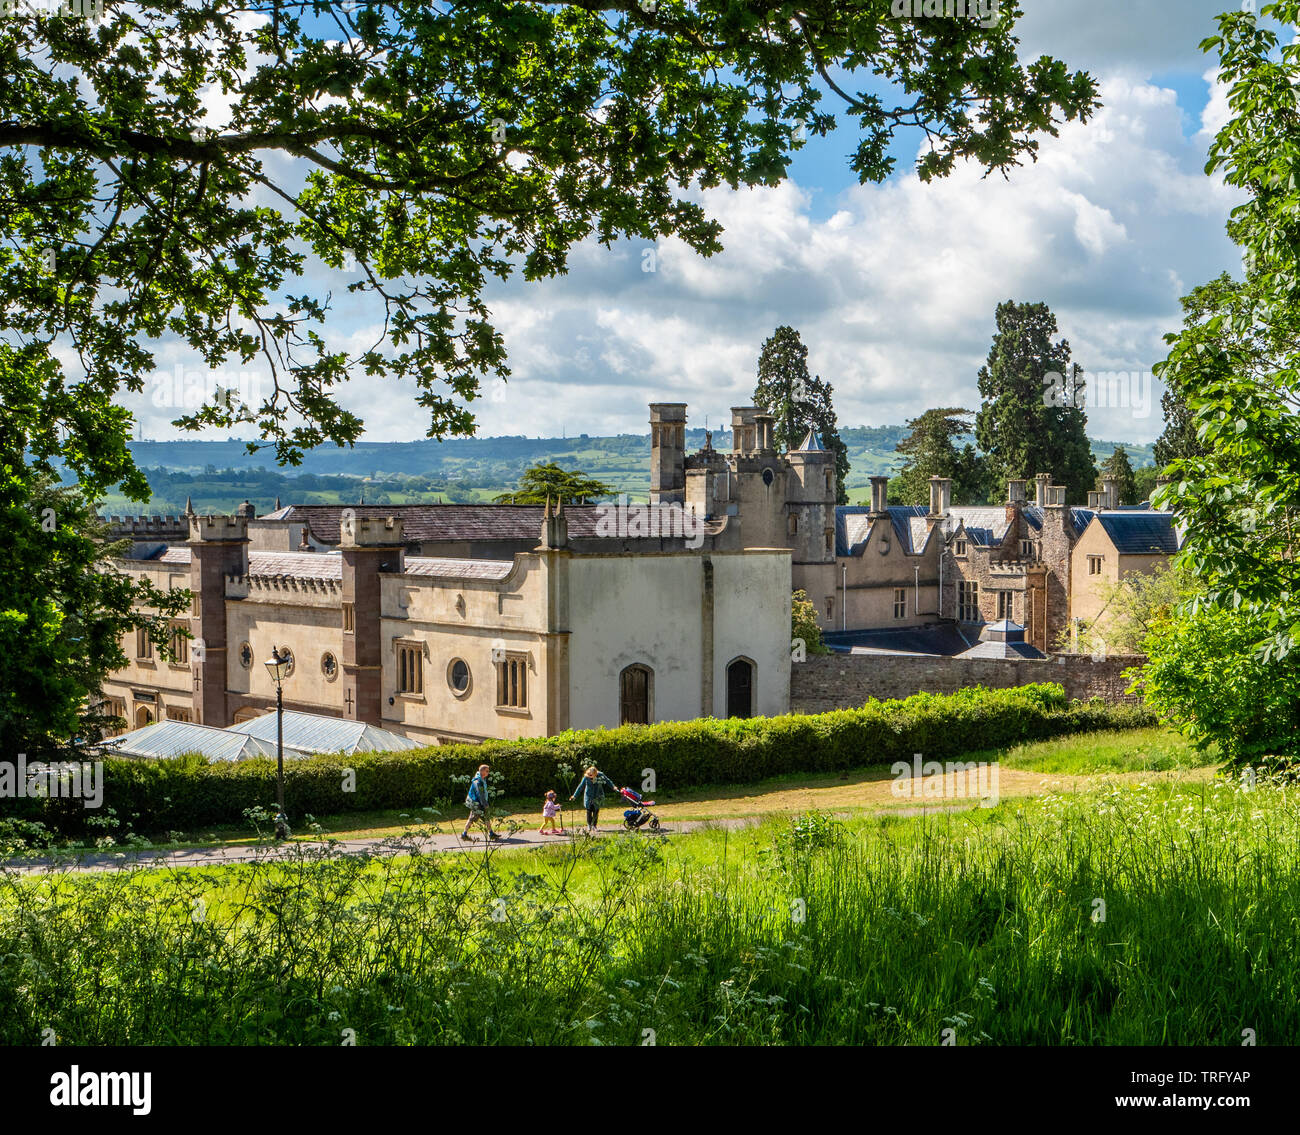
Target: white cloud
(894,292)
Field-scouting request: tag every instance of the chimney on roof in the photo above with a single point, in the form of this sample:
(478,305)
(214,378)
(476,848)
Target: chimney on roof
(1096,500)
(765,426)
(1055,496)
(1041,483)
(1016,491)
(1110,490)
(940,495)
(879,495)
(555,526)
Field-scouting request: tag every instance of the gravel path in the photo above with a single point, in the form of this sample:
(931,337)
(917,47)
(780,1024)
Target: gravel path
(182,857)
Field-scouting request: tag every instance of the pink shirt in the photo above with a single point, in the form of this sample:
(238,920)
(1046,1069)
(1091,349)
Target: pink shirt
(550,809)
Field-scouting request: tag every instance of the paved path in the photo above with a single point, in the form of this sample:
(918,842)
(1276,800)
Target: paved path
(175,857)
(183,857)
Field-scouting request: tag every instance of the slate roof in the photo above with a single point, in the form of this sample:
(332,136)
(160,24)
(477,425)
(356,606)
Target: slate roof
(294,565)
(853,527)
(458,569)
(422,522)
(934,639)
(318,733)
(176,738)
(1003,639)
(1140,533)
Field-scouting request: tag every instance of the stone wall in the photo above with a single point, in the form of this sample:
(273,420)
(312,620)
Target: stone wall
(842,681)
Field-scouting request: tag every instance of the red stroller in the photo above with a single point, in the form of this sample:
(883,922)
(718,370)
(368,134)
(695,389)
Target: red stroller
(638,816)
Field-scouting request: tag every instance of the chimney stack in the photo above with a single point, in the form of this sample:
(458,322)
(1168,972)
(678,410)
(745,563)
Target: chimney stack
(879,495)
(1015,491)
(1110,490)
(940,495)
(1041,482)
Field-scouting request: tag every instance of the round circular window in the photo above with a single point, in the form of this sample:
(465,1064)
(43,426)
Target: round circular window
(458,677)
(246,656)
(329,666)
(287,655)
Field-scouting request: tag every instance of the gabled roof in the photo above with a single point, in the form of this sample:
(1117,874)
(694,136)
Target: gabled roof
(1080,518)
(853,526)
(318,733)
(1140,533)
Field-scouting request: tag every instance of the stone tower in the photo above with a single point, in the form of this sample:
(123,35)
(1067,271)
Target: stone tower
(218,551)
(369,546)
(668,453)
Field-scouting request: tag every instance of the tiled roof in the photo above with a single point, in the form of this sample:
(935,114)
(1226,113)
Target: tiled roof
(1080,518)
(443,521)
(176,554)
(294,565)
(853,527)
(458,569)
(985,525)
(1140,533)
(934,639)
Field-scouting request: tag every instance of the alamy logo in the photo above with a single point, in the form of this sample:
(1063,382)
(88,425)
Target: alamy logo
(652,521)
(76,1088)
(68,780)
(985,10)
(92,10)
(957,780)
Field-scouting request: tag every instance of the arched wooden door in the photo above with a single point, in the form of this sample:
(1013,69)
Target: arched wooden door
(740,688)
(634,696)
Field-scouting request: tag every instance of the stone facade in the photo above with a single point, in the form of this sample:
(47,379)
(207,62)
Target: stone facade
(466,649)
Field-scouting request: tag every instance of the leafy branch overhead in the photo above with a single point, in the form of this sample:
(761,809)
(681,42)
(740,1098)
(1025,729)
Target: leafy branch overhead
(423,150)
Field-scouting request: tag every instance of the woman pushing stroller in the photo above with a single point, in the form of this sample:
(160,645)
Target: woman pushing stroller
(592,785)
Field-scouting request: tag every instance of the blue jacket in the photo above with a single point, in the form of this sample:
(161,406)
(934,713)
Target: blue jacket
(478,793)
(593,790)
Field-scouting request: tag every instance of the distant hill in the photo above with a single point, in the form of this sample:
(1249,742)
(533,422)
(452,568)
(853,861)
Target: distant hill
(217,475)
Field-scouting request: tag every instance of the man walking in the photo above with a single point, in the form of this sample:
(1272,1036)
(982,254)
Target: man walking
(479,802)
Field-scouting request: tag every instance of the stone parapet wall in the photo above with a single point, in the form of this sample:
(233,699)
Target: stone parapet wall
(844,681)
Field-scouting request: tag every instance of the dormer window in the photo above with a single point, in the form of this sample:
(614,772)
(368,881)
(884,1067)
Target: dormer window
(960,549)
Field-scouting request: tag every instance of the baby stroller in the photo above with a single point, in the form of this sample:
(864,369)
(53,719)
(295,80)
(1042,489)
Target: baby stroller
(637,816)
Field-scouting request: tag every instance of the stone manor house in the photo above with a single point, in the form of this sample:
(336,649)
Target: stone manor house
(466,622)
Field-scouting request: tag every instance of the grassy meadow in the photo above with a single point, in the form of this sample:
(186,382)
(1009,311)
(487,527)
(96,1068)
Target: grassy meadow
(1138,909)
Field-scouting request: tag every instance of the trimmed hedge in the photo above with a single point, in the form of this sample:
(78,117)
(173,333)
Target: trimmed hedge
(188,793)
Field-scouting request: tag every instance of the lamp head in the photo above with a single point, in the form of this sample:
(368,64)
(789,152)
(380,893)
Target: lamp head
(277,666)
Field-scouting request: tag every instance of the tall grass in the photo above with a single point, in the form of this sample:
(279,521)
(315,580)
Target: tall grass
(980,927)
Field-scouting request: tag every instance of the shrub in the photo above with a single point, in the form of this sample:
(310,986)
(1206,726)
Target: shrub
(187,793)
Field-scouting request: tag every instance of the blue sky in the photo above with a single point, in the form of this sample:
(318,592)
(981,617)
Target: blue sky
(892,286)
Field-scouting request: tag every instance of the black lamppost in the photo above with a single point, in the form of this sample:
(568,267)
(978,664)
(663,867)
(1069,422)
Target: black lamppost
(279,667)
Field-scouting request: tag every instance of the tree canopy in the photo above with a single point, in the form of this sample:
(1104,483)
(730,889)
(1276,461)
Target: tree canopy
(1119,466)
(549,482)
(421,149)
(931,450)
(799,401)
(1236,361)
(1032,419)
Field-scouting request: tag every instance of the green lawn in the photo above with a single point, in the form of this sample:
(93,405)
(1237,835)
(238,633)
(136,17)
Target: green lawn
(1135,750)
(1134,911)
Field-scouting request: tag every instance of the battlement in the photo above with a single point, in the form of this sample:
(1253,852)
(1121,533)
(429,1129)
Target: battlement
(147,527)
(370,531)
(204,528)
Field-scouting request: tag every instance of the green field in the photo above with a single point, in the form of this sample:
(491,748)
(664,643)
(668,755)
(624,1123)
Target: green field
(218,475)
(1141,910)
